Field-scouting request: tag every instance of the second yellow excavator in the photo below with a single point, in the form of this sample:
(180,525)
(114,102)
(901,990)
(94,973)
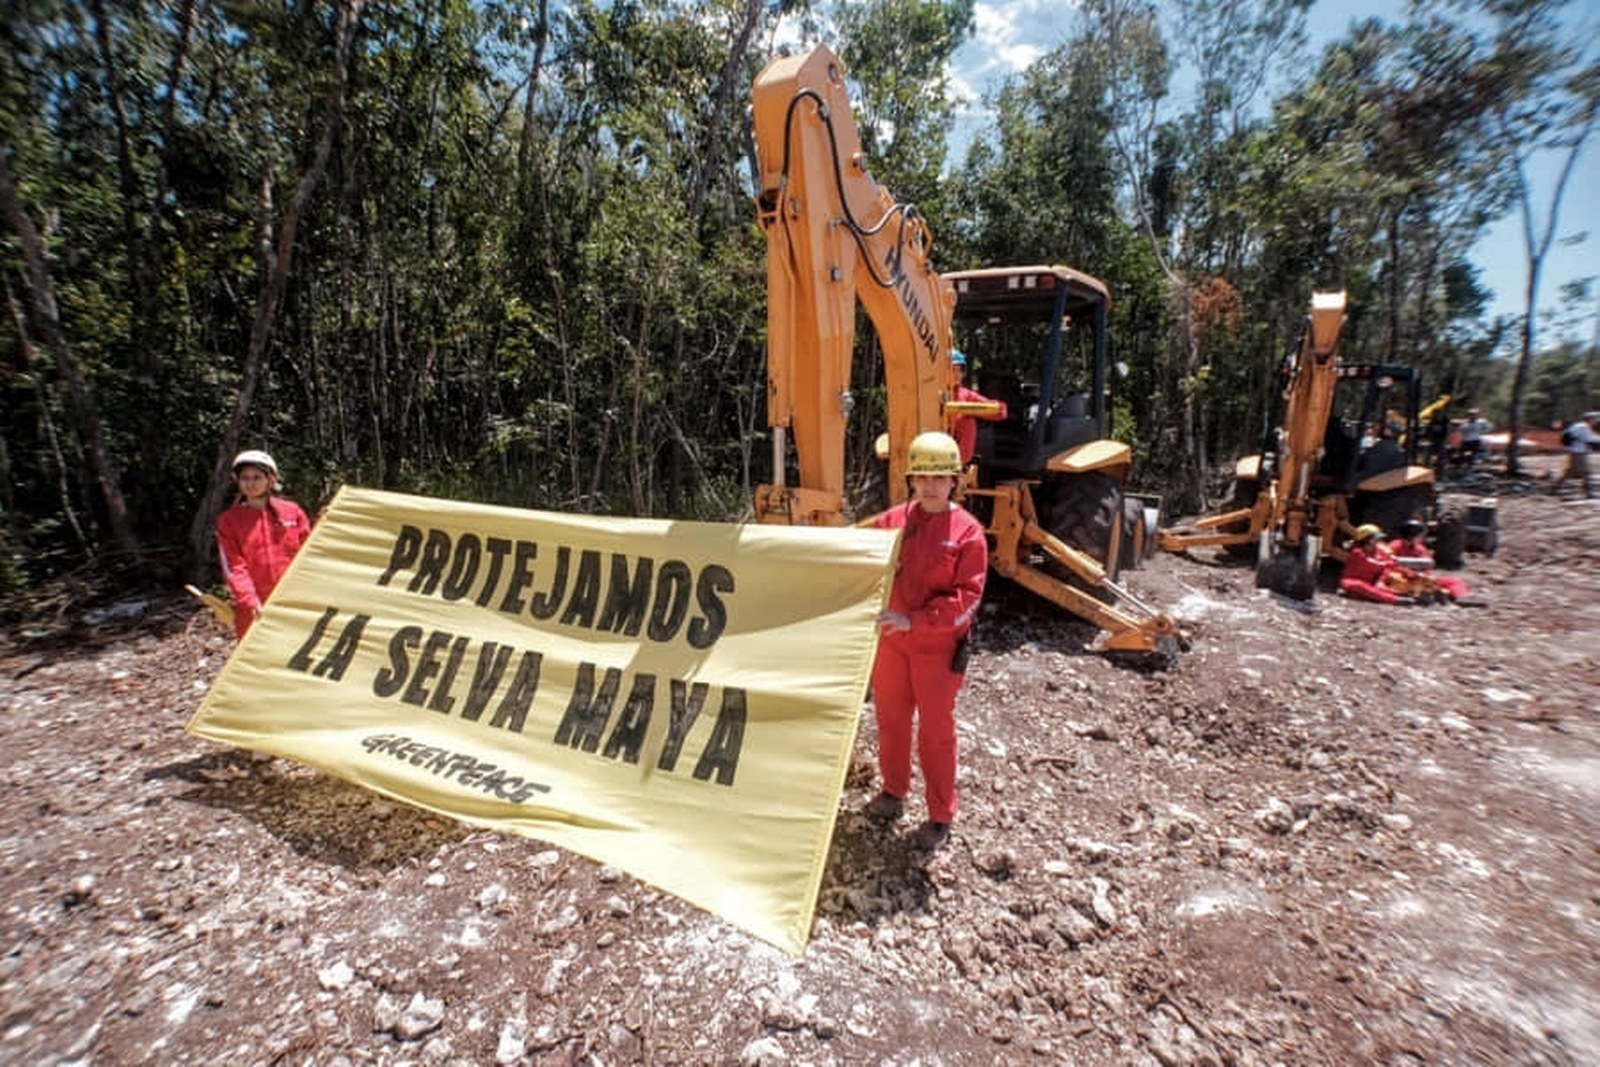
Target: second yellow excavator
(1045,481)
(1343,455)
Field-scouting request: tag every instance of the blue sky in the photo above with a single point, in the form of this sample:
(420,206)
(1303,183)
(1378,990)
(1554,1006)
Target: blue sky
(1012,33)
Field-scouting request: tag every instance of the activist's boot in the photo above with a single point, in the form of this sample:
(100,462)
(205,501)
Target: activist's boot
(885,807)
(932,836)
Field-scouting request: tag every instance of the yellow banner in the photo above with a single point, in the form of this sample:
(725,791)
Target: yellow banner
(677,699)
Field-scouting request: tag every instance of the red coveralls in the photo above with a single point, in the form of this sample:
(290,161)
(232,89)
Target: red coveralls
(1455,588)
(944,561)
(256,545)
(1363,574)
(964,428)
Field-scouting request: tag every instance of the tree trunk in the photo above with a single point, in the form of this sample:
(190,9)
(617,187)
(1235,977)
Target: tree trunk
(45,322)
(273,285)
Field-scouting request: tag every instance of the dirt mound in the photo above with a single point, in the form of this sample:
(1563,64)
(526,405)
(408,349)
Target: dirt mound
(1358,834)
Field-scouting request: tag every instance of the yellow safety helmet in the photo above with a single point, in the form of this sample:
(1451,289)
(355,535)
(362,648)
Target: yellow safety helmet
(1368,529)
(933,453)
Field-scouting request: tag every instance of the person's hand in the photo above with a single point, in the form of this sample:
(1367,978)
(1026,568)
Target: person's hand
(891,622)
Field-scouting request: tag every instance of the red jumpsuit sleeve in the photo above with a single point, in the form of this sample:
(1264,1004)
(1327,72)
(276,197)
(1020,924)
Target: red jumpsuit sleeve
(235,566)
(955,608)
(302,530)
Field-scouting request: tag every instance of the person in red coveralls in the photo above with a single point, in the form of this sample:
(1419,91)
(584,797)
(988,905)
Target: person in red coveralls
(1409,546)
(1365,567)
(964,428)
(257,536)
(938,584)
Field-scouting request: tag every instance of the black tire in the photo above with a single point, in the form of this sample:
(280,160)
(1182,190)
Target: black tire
(1245,492)
(1389,510)
(1450,541)
(1083,511)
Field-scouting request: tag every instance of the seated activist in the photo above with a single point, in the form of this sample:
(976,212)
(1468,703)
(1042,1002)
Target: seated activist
(964,428)
(258,536)
(1410,551)
(1366,566)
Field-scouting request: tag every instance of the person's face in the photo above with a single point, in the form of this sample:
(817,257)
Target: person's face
(253,482)
(933,491)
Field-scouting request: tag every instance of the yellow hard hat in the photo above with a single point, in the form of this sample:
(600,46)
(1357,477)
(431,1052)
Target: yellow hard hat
(1368,529)
(933,453)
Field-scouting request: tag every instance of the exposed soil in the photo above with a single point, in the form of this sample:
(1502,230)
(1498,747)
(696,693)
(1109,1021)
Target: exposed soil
(1357,835)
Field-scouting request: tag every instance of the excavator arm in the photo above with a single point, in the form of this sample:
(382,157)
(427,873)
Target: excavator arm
(834,235)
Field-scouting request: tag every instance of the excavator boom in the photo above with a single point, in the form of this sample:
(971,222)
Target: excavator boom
(833,236)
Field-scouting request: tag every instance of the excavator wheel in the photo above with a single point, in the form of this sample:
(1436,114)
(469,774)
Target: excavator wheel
(1450,541)
(1287,574)
(1245,491)
(1083,510)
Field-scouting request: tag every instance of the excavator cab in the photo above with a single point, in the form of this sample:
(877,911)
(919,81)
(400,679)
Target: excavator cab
(1038,338)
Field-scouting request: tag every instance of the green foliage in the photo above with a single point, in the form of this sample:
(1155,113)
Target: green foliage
(531,274)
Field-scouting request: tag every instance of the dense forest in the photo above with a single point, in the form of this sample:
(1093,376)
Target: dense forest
(506,250)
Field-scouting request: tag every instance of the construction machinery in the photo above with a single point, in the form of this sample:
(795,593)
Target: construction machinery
(1047,485)
(1344,454)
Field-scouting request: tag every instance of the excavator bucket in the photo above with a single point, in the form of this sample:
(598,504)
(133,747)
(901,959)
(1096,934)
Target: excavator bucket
(1290,572)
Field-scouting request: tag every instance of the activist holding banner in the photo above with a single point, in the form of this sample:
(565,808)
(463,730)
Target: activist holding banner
(678,699)
(921,659)
(258,536)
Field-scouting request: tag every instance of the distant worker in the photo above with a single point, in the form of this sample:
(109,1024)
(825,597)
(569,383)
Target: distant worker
(1472,432)
(1578,439)
(1411,550)
(258,536)
(1435,420)
(965,427)
(921,661)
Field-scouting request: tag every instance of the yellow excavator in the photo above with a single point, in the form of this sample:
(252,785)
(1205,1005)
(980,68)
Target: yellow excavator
(1344,455)
(1045,482)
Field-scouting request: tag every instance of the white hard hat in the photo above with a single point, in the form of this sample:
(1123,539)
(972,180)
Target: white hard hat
(254,457)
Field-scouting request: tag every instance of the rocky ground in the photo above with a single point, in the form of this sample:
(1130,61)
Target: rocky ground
(1355,835)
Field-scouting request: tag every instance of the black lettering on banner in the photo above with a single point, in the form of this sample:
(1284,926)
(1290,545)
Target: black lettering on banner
(512,713)
(498,547)
(585,719)
(389,680)
(486,679)
(625,599)
(465,770)
(585,591)
(435,554)
(442,701)
(337,661)
(672,600)
(427,666)
(704,631)
(545,605)
(521,577)
(406,544)
(721,755)
(686,704)
(301,660)
(463,567)
(627,737)
(586,588)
